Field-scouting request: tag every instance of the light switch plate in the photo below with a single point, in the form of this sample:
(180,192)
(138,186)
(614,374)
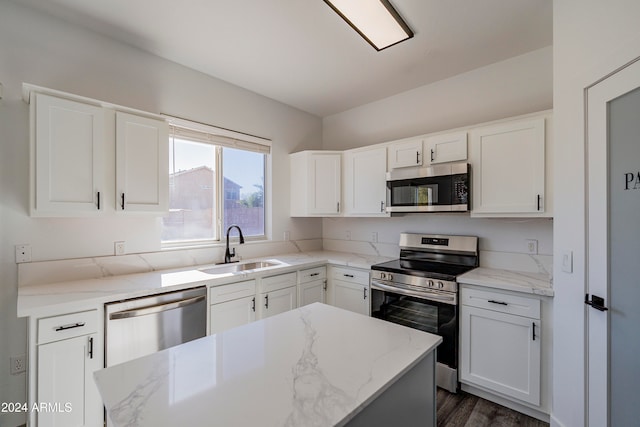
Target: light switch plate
(567,261)
(23,253)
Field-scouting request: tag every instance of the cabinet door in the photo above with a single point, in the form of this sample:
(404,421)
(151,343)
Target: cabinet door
(65,379)
(311,292)
(451,147)
(324,184)
(501,352)
(229,314)
(142,164)
(279,301)
(67,174)
(508,164)
(351,296)
(406,153)
(365,182)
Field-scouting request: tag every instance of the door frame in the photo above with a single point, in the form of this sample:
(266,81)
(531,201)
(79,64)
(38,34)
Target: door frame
(596,99)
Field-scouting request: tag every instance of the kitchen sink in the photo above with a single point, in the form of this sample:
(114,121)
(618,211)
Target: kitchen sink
(234,268)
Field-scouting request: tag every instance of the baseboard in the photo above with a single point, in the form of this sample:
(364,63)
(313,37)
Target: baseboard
(555,423)
(506,403)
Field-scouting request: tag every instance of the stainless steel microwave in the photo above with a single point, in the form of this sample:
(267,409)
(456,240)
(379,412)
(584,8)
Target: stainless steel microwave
(437,188)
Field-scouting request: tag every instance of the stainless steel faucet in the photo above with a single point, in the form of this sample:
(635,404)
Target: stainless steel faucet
(228,254)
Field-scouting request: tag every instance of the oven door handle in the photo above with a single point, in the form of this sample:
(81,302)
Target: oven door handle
(447,299)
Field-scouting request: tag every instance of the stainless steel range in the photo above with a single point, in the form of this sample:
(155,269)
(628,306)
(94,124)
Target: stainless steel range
(419,290)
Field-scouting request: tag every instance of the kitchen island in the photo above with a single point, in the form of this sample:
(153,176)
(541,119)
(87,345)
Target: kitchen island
(313,366)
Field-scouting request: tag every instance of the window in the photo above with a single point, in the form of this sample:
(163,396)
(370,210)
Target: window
(215,180)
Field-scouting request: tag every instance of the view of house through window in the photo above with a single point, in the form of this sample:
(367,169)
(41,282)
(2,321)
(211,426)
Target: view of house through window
(207,181)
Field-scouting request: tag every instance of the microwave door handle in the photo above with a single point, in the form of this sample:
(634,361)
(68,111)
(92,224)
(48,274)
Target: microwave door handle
(423,295)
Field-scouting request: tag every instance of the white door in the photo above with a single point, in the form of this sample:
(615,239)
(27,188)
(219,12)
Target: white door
(324,173)
(69,157)
(229,314)
(365,176)
(142,164)
(351,296)
(280,301)
(311,292)
(613,147)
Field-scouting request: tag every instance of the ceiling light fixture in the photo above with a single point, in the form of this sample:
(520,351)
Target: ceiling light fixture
(375,20)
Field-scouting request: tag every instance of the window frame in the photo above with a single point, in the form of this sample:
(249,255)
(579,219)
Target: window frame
(178,123)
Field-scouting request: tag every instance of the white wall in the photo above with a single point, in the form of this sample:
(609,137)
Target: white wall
(45,51)
(591,39)
(516,86)
(519,85)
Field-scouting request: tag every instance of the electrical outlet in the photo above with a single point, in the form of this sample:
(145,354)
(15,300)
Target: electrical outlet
(374,237)
(348,235)
(567,261)
(286,237)
(119,248)
(18,364)
(23,253)
(532,247)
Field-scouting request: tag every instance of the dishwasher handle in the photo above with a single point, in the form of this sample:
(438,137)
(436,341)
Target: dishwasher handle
(152,309)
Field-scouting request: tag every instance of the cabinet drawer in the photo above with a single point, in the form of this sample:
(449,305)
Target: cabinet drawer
(67,326)
(503,303)
(311,274)
(360,277)
(233,291)
(278,282)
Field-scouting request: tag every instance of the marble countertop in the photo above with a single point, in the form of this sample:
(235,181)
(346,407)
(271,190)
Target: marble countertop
(313,366)
(76,295)
(532,283)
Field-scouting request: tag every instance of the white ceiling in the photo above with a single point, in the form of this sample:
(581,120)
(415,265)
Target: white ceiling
(301,53)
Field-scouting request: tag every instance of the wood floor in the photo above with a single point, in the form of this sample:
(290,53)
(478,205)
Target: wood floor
(466,410)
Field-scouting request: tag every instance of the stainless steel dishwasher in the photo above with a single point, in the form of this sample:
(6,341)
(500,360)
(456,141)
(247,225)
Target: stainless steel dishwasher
(141,326)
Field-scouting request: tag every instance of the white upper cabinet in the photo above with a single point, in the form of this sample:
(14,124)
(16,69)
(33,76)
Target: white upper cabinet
(74,142)
(405,153)
(142,164)
(315,183)
(67,155)
(365,190)
(508,165)
(451,147)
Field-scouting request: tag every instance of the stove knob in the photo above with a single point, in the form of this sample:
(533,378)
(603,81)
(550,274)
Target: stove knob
(440,285)
(431,283)
(389,276)
(383,276)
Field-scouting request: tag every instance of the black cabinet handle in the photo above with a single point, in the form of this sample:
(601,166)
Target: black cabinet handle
(314,274)
(91,348)
(497,302)
(69,326)
(122,201)
(432,154)
(417,157)
(325,285)
(98,202)
(348,275)
(539,200)
(253,304)
(533,333)
(365,293)
(382,206)
(266,299)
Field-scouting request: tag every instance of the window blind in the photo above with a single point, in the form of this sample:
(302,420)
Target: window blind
(201,132)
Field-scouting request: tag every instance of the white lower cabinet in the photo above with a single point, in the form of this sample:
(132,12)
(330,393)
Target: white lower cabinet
(500,337)
(312,286)
(278,294)
(232,305)
(350,289)
(65,370)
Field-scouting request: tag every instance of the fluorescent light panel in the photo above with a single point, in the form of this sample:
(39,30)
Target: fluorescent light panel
(375,20)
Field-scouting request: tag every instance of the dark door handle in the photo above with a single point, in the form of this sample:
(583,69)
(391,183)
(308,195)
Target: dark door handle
(497,302)
(253,304)
(98,201)
(417,157)
(533,334)
(539,200)
(596,302)
(432,154)
(365,293)
(122,201)
(91,348)
(266,301)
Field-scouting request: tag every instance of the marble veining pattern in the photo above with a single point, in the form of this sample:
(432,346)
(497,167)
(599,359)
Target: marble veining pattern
(533,283)
(314,366)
